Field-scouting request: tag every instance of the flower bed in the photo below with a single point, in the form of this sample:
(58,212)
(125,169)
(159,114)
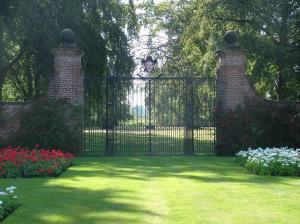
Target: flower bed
(271,161)
(9,201)
(22,162)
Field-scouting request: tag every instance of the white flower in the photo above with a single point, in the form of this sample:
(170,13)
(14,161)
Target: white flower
(11,189)
(266,157)
(3,193)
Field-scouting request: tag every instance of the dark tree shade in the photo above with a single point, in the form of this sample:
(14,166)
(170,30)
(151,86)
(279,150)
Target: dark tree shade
(29,30)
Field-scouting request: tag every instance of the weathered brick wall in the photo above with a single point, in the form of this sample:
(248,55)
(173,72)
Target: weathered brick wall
(10,118)
(67,81)
(233,85)
(235,90)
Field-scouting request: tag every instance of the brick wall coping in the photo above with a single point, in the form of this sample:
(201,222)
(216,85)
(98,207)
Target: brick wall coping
(258,97)
(65,49)
(218,52)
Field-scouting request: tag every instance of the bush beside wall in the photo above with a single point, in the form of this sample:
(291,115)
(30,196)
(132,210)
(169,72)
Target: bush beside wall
(51,124)
(261,125)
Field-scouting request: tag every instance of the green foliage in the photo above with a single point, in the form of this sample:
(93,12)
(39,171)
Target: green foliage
(10,170)
(41,168)
(8,202)
(29,30)
(51,123)
(276,169)
(269,30)
(176,101)
(271,161)
(264,125)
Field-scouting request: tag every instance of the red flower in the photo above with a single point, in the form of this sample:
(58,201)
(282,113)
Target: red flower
(50,170)
(18,157)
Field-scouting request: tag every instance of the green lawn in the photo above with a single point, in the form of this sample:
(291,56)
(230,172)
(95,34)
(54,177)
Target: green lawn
(154,190)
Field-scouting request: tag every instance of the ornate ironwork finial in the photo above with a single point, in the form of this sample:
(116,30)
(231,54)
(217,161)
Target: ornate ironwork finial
(149,64)
(231,40)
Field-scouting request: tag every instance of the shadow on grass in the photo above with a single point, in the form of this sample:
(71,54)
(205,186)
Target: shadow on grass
(206,169)
(66,200)
(60,204)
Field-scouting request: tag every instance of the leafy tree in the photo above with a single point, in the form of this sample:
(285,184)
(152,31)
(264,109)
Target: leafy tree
(268,29)
(30,30)
(8,56)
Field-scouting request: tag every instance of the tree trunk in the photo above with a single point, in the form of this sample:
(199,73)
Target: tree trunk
(1,87)
(283,44)
(29,79)
(2,61)
(280,87)
(37,92)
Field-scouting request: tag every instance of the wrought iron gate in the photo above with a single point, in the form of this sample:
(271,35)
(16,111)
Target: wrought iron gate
(149,116)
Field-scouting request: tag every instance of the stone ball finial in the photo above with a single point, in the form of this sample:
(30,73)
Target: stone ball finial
(231,39)
(67,36)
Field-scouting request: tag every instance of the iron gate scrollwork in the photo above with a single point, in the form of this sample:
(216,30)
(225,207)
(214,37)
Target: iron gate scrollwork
(161,109)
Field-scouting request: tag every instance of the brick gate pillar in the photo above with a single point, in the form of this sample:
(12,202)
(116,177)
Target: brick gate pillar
(233,87)
(67,80)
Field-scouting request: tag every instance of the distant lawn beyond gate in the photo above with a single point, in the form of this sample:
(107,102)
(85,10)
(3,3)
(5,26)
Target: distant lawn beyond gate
(136,141)
(154,190)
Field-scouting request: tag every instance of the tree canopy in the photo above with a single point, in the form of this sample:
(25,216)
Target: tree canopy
(29,30)
(268,29)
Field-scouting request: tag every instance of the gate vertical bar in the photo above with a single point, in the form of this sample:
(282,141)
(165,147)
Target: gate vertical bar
(110,89)
(214,117)
(150,119)
(189,118)
(184,122)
